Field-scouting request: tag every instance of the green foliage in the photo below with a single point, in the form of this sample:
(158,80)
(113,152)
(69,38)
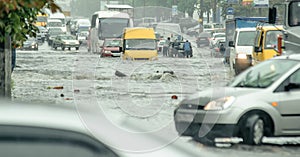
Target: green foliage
(17,18)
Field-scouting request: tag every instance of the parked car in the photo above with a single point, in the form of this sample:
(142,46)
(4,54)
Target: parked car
(52,33)
(30,44)
(160,45)
(82,37)
(111,47)
(47,130)
(203,39)
(65,41)
(261,101)
(41,34)
(194,31)
(219,49)
(215,37)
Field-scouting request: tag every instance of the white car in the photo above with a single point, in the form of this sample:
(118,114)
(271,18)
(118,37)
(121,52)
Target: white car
(215,38)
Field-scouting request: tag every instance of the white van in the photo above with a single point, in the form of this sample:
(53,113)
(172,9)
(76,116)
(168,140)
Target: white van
(55,23)
(241,54)
(61,17)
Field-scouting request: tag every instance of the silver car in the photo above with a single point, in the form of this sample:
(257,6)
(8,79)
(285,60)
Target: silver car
(262,101)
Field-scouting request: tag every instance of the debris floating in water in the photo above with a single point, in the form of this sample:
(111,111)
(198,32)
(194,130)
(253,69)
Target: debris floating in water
(120,74)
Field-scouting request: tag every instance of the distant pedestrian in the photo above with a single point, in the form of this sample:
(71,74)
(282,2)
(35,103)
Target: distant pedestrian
(187,49)
(166,46)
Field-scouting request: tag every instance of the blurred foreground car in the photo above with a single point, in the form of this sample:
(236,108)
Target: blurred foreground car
(261,101)
(30,44)
(65,41)
(52,130)
(110,47)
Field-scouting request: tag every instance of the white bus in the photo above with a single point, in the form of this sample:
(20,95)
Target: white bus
(107,24)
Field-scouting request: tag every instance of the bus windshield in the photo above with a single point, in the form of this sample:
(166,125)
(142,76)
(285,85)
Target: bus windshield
(113,27)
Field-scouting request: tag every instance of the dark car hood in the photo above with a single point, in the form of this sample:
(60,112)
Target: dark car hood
(205,96)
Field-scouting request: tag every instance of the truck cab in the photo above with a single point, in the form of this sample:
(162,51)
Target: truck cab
(266,42)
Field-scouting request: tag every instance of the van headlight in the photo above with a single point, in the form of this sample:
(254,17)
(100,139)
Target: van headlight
(220,104)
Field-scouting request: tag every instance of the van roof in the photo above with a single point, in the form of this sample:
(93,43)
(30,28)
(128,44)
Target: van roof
(116,14)
(139,33)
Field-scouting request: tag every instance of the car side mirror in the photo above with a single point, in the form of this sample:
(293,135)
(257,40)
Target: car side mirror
(231,44)
(291,86)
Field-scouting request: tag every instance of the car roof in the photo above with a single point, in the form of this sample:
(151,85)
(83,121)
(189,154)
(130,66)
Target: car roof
(41,115)
(64,117)
(290,56)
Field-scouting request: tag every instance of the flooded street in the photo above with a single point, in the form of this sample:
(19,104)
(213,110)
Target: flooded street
(127,94)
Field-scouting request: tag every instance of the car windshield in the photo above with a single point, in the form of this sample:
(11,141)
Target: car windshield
(67,37)
(264,74)
(112,43)
(220,35)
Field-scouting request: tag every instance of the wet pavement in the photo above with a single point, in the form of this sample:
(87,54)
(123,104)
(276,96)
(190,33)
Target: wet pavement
(141,97)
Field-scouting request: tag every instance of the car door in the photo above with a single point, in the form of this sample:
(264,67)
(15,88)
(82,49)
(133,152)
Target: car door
(289,104)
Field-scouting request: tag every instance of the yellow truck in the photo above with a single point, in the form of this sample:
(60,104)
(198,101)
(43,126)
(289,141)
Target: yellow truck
(139,43)
(266,42)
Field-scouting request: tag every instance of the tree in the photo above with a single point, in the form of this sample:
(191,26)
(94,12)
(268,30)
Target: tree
(187,6)
(17,17)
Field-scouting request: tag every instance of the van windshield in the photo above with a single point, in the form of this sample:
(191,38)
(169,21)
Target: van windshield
(246,38)
(54,24)
(140,44)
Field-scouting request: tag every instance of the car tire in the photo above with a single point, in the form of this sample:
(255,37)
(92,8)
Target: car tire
(69,48)
(63,48)
(77,48)
(253,130)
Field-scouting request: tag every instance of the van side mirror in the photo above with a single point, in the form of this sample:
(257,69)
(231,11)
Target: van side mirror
(231,44)
(120,49)
(272,15)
